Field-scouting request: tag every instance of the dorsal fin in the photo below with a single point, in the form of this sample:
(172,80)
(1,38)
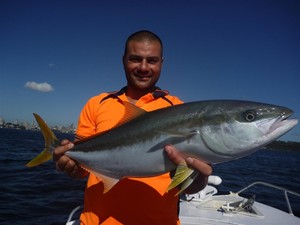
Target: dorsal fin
(131,112)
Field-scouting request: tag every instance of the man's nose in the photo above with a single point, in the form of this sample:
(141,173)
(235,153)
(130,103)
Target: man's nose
(144,65)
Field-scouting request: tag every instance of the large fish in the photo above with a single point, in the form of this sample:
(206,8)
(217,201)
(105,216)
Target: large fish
(214,131)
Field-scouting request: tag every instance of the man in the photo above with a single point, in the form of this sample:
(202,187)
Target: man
(132,200)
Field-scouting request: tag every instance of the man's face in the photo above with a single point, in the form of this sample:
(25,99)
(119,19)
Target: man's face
(142,64)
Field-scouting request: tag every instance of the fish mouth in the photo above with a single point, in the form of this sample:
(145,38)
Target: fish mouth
(284,123)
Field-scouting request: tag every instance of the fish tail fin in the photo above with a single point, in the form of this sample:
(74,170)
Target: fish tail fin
(51,142)
(184,176)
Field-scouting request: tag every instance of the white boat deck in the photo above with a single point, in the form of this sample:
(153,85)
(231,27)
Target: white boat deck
(208,212)
(207,208)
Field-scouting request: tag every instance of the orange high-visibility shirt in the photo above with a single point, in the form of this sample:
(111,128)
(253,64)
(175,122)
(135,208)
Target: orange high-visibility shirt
(132,201)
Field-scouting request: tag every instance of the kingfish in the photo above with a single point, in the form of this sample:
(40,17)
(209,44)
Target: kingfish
(214,131)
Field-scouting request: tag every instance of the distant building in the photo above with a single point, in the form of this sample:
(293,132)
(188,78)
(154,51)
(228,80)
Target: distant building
(2,122)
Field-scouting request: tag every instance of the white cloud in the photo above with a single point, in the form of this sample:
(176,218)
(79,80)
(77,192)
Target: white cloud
(51,65)
(44,87)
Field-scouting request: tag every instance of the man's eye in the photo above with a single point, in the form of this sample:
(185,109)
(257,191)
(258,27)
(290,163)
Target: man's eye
(134,59)
(152,61)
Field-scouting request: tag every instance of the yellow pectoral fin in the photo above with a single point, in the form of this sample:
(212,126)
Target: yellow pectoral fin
(183,172)
(188,181)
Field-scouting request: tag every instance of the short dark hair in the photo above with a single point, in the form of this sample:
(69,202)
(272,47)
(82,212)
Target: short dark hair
(143,35)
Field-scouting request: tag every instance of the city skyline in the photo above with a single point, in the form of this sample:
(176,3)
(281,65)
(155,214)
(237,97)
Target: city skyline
(17,124)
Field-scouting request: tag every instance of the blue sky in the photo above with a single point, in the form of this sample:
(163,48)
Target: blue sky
(222,49)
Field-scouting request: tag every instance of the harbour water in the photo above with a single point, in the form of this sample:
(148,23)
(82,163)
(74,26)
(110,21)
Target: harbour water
(42,195)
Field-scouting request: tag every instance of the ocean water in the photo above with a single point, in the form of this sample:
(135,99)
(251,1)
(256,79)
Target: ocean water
(42,195)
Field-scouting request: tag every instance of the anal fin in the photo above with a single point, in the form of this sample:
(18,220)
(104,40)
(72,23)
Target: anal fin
(108,182)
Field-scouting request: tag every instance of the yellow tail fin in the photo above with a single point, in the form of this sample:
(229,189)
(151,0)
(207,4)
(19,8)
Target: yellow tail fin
(51,142)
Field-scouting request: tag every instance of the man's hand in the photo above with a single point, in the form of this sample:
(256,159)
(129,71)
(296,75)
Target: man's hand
(203,168)
(64,163)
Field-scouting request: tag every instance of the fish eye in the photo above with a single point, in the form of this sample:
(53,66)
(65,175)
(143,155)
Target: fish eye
(250,115)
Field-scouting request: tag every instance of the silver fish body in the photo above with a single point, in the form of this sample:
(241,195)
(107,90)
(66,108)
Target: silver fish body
(214,131)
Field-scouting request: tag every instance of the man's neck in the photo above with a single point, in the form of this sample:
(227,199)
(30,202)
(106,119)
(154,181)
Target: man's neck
(134,95)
